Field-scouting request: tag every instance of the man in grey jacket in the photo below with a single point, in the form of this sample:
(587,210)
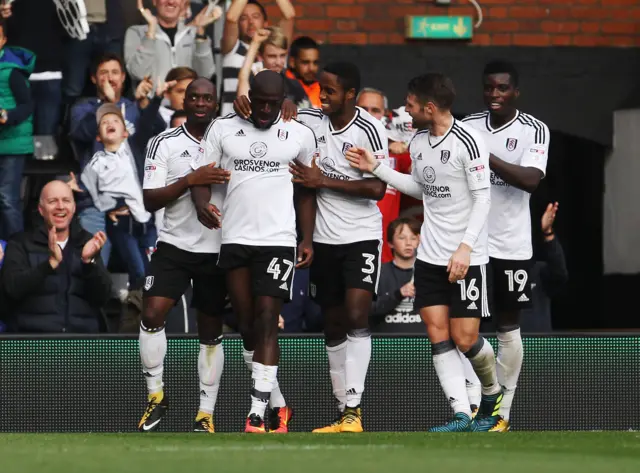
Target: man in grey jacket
(165,42)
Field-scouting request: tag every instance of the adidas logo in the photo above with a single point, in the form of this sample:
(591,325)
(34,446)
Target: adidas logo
(203,393)
(284,286)
(322,140)
(419,157)
(240,133)
(351,392)
(472,306)
(368,279)
(523,298)
(185,154)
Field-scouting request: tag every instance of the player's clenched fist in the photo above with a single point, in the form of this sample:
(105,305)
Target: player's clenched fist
(362,159)
(459,263)
(207,175)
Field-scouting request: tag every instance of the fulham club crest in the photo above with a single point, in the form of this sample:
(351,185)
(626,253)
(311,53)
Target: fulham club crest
(346,147)
(283,135)
(444,156)
(511,144)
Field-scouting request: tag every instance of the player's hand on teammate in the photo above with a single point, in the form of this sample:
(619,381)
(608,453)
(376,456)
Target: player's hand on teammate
(93,247)
(121,212)
(207,175)
(305,254)
(459,263)
(242,106)
(55,252)
(310,177)
(208,215)
(288,110)
(408,290)
(549,217)
(361,159)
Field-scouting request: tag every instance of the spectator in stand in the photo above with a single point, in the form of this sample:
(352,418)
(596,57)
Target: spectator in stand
(304,59)
(53,277)
(270,46)
(244,19)
(109,76)
(375,102)
(180,77)
(106,30)
(548,278)
(44,35)
(165,42)
(16,130)
(114,180)
(393,309)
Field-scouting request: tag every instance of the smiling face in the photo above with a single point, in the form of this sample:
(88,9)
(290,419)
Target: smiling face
(111,130)
(57,205)
(333,97)
(500,94)
(169,10)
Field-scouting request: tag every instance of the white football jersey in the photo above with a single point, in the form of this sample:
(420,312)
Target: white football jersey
(343,218)
(523,141)
(448,168)
(258,208)
(168,159)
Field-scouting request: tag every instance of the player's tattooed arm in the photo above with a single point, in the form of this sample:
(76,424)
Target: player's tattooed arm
(313,178)
(524,178)
(306,214)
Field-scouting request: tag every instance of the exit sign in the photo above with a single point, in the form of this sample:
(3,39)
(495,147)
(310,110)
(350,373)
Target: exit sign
(439,27)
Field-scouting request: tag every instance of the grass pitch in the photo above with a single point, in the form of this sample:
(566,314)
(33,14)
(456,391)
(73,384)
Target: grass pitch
(521,452)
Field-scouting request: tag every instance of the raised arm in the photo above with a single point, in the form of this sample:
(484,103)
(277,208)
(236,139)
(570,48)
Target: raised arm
(231,32)
(249,59)
(287,20)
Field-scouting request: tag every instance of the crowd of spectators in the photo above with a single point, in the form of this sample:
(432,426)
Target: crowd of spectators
(103,97)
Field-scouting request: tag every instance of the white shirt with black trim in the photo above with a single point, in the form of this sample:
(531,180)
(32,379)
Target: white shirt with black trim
(449,169)
(169,157)
(342,218)
(258,209)
(232,62)
(524,141)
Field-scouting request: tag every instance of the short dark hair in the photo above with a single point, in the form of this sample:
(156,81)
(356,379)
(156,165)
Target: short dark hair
(348,75)
(181,73)
(502,67)
(177,114)
(300,43)
(433,87)
(412,223)
(106,57)
(263,10)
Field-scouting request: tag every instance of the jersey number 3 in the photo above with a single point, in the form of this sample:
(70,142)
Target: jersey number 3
(368,261)
(274,268)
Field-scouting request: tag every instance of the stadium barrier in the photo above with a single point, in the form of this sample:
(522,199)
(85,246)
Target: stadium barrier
(95,384)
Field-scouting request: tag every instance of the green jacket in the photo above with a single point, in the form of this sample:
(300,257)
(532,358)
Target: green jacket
(16,139)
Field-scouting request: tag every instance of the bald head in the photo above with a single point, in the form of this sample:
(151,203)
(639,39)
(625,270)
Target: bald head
(267,95)
(268,82)
(57,205)
(201,83)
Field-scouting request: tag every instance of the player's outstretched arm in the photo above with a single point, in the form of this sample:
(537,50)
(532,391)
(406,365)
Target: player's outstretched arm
(363,160)
(524,178)
(313,178)
(156,199)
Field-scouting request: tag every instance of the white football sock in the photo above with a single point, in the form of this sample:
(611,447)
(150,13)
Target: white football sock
(263,378)
(484,364)
(153,348)
(276,399)
(448,366)
(247,356)
(509,363)
(337,357)
(210,365)
(474,388)
(358,356)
